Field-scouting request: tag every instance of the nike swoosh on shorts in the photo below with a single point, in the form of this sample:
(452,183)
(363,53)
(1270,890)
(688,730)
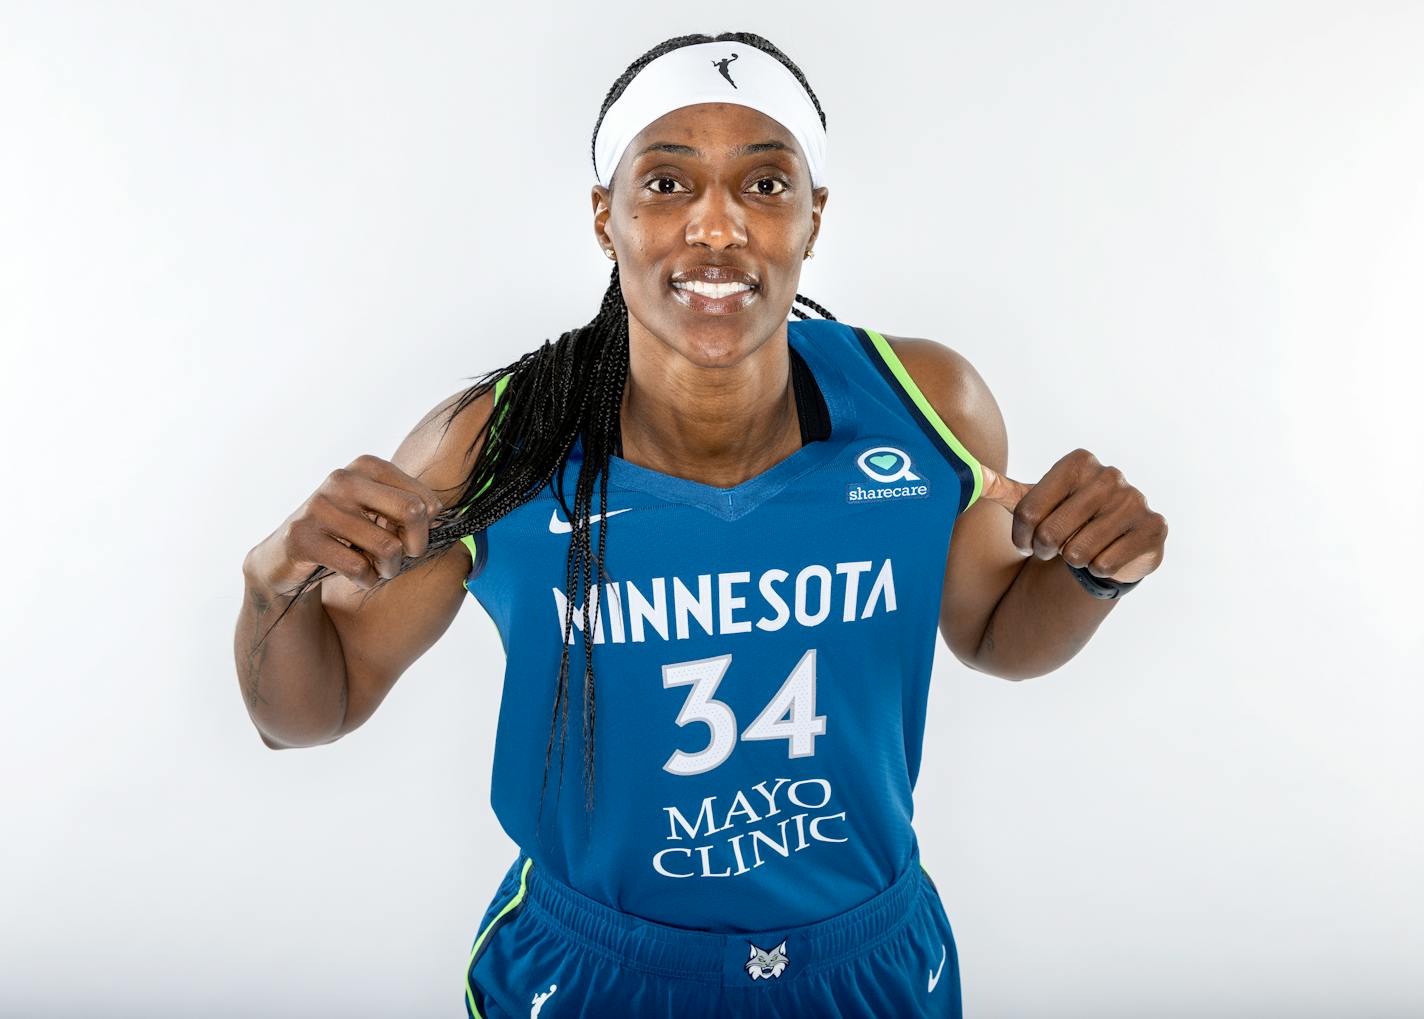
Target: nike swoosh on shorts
(934,977)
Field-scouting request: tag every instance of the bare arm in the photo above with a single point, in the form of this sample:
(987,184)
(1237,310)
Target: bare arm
(324,669)
(293,683)
(1050,617)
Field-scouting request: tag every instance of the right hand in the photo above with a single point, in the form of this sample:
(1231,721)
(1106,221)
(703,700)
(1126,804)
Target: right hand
(361,522)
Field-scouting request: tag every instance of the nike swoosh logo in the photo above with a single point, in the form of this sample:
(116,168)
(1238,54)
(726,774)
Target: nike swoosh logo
(934,977)
(558,526)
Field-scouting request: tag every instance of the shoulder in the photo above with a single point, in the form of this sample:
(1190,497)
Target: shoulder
(440,450)
(958,393)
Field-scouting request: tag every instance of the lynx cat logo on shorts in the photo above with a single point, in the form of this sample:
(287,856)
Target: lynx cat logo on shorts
(890,467)
(766,963)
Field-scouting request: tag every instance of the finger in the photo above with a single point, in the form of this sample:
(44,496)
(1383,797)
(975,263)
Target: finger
(404,511)
(344,559)
(1001,489)
(1070,474)
(1097,503)
(389,474)
(1130,557)
(1094,535)
(384,546)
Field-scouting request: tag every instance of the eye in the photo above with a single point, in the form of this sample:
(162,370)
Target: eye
(771,180)
(658,180)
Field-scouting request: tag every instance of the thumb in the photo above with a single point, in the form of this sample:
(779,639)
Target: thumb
(1002,489)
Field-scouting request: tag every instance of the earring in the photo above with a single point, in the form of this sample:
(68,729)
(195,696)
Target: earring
(609,253)
(809,254)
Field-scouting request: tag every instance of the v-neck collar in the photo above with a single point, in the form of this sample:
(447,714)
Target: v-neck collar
(737,501)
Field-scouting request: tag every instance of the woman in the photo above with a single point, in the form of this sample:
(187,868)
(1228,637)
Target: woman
(765,611)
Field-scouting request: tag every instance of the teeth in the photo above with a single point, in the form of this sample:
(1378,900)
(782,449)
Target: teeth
(712,289)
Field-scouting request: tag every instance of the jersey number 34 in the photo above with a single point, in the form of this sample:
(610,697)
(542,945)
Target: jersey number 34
(789,715)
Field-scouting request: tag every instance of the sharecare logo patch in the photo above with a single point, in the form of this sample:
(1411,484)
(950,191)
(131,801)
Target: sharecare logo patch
(862,493)
(889,468)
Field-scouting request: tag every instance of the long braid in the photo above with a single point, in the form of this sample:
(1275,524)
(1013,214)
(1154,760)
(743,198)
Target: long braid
(562,391)
(813,306)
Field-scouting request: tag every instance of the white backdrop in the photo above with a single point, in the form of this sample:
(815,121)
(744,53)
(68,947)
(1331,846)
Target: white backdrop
(241,244)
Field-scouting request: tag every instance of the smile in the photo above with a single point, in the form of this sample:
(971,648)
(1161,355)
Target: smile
(714,298)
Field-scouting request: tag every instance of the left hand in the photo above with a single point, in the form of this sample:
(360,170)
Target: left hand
(1086,512)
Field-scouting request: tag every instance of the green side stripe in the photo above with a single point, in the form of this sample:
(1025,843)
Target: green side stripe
(498,392)
(926,408)
(468,540)
(518,898)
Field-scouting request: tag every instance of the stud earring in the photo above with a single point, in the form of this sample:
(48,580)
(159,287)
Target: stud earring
(809,254)
(609,253)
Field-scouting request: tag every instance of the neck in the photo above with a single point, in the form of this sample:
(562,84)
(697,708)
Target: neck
(718,424)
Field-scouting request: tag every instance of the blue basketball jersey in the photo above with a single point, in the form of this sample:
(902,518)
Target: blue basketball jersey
(761,659)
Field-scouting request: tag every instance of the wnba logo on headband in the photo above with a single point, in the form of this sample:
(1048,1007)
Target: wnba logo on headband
(722,65)
(682,77)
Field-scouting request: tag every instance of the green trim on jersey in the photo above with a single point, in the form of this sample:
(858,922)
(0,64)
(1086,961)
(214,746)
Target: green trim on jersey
(475,949)
(882,346)
(469,540)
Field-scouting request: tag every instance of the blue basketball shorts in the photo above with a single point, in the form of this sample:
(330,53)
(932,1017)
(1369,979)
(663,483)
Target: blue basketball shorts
(544,949)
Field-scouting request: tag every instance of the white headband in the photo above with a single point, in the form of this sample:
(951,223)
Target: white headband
(711,72)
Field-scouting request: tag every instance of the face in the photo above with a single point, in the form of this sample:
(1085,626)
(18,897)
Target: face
(708,196)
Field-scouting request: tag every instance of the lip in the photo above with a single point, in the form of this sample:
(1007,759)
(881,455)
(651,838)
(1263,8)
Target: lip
(729,305)
(714,274)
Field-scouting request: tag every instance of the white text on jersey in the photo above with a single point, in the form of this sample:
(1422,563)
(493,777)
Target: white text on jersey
(719,606)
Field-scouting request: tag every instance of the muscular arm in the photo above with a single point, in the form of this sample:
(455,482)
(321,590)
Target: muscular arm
(1001,614)
(384,634)
(328,664)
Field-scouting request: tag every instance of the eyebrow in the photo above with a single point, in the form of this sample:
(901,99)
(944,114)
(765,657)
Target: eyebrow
(741,150)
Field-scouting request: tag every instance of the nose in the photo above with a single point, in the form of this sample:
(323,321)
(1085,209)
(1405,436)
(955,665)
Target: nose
(716,221)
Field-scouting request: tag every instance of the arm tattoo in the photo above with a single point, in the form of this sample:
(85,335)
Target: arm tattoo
(251,679)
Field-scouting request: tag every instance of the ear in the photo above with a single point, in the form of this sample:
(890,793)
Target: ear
(752,953)
(781,948)
(602,207)
(818,203)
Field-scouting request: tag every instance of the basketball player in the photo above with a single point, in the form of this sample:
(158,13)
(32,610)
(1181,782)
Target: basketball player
(776,501)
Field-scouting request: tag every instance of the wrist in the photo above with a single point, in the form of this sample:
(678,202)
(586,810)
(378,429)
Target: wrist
(1100,587)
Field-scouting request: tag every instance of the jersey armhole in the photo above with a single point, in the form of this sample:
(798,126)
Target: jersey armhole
(883,356)
(478,543)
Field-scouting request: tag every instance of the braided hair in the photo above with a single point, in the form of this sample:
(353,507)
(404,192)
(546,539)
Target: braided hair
(564,390)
